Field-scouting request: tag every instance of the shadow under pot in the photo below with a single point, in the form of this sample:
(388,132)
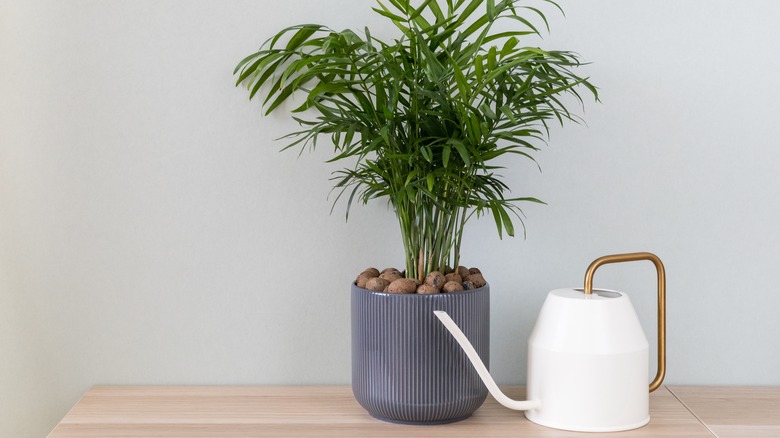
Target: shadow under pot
(406,367)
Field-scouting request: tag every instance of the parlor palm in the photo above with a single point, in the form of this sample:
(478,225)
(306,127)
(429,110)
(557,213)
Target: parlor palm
(423,118)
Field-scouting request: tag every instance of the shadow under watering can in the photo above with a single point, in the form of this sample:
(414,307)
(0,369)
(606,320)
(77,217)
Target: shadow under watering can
(587,357)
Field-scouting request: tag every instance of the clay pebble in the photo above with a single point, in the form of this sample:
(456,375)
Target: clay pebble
(377,284)
(402,286)
(391,276)
(371,272)
(477,280)
(427,289)
(435,279)
(452,277)
(452,286)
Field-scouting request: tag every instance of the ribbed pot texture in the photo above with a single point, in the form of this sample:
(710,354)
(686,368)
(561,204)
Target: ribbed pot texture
(406,367)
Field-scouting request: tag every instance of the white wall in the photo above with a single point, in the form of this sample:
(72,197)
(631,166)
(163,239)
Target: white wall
(151,234)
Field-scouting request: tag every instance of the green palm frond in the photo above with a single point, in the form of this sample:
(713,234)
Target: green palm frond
(424,115)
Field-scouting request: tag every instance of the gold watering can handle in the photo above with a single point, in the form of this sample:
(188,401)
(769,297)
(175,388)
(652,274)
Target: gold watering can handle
(659,266)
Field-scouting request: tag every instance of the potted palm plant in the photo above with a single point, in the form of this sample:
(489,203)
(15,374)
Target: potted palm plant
(424,120)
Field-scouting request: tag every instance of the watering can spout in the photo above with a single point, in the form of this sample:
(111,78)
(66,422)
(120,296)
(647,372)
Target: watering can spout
(476,361)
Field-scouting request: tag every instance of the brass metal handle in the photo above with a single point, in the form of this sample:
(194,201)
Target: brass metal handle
(659,267)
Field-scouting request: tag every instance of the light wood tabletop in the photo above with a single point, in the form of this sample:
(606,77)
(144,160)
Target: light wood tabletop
(268,411)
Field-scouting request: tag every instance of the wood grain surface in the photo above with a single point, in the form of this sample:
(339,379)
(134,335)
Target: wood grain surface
(268,411)
(734,412)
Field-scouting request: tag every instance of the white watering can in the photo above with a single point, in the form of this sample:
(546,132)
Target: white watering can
(587,357)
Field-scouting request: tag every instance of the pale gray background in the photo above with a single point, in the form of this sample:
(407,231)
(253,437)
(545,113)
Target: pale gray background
(150,233)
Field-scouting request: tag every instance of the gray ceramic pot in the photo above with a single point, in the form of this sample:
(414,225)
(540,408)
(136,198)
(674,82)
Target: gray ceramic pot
(406,367)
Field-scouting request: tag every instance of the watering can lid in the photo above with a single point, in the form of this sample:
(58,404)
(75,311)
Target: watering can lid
(579,294)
